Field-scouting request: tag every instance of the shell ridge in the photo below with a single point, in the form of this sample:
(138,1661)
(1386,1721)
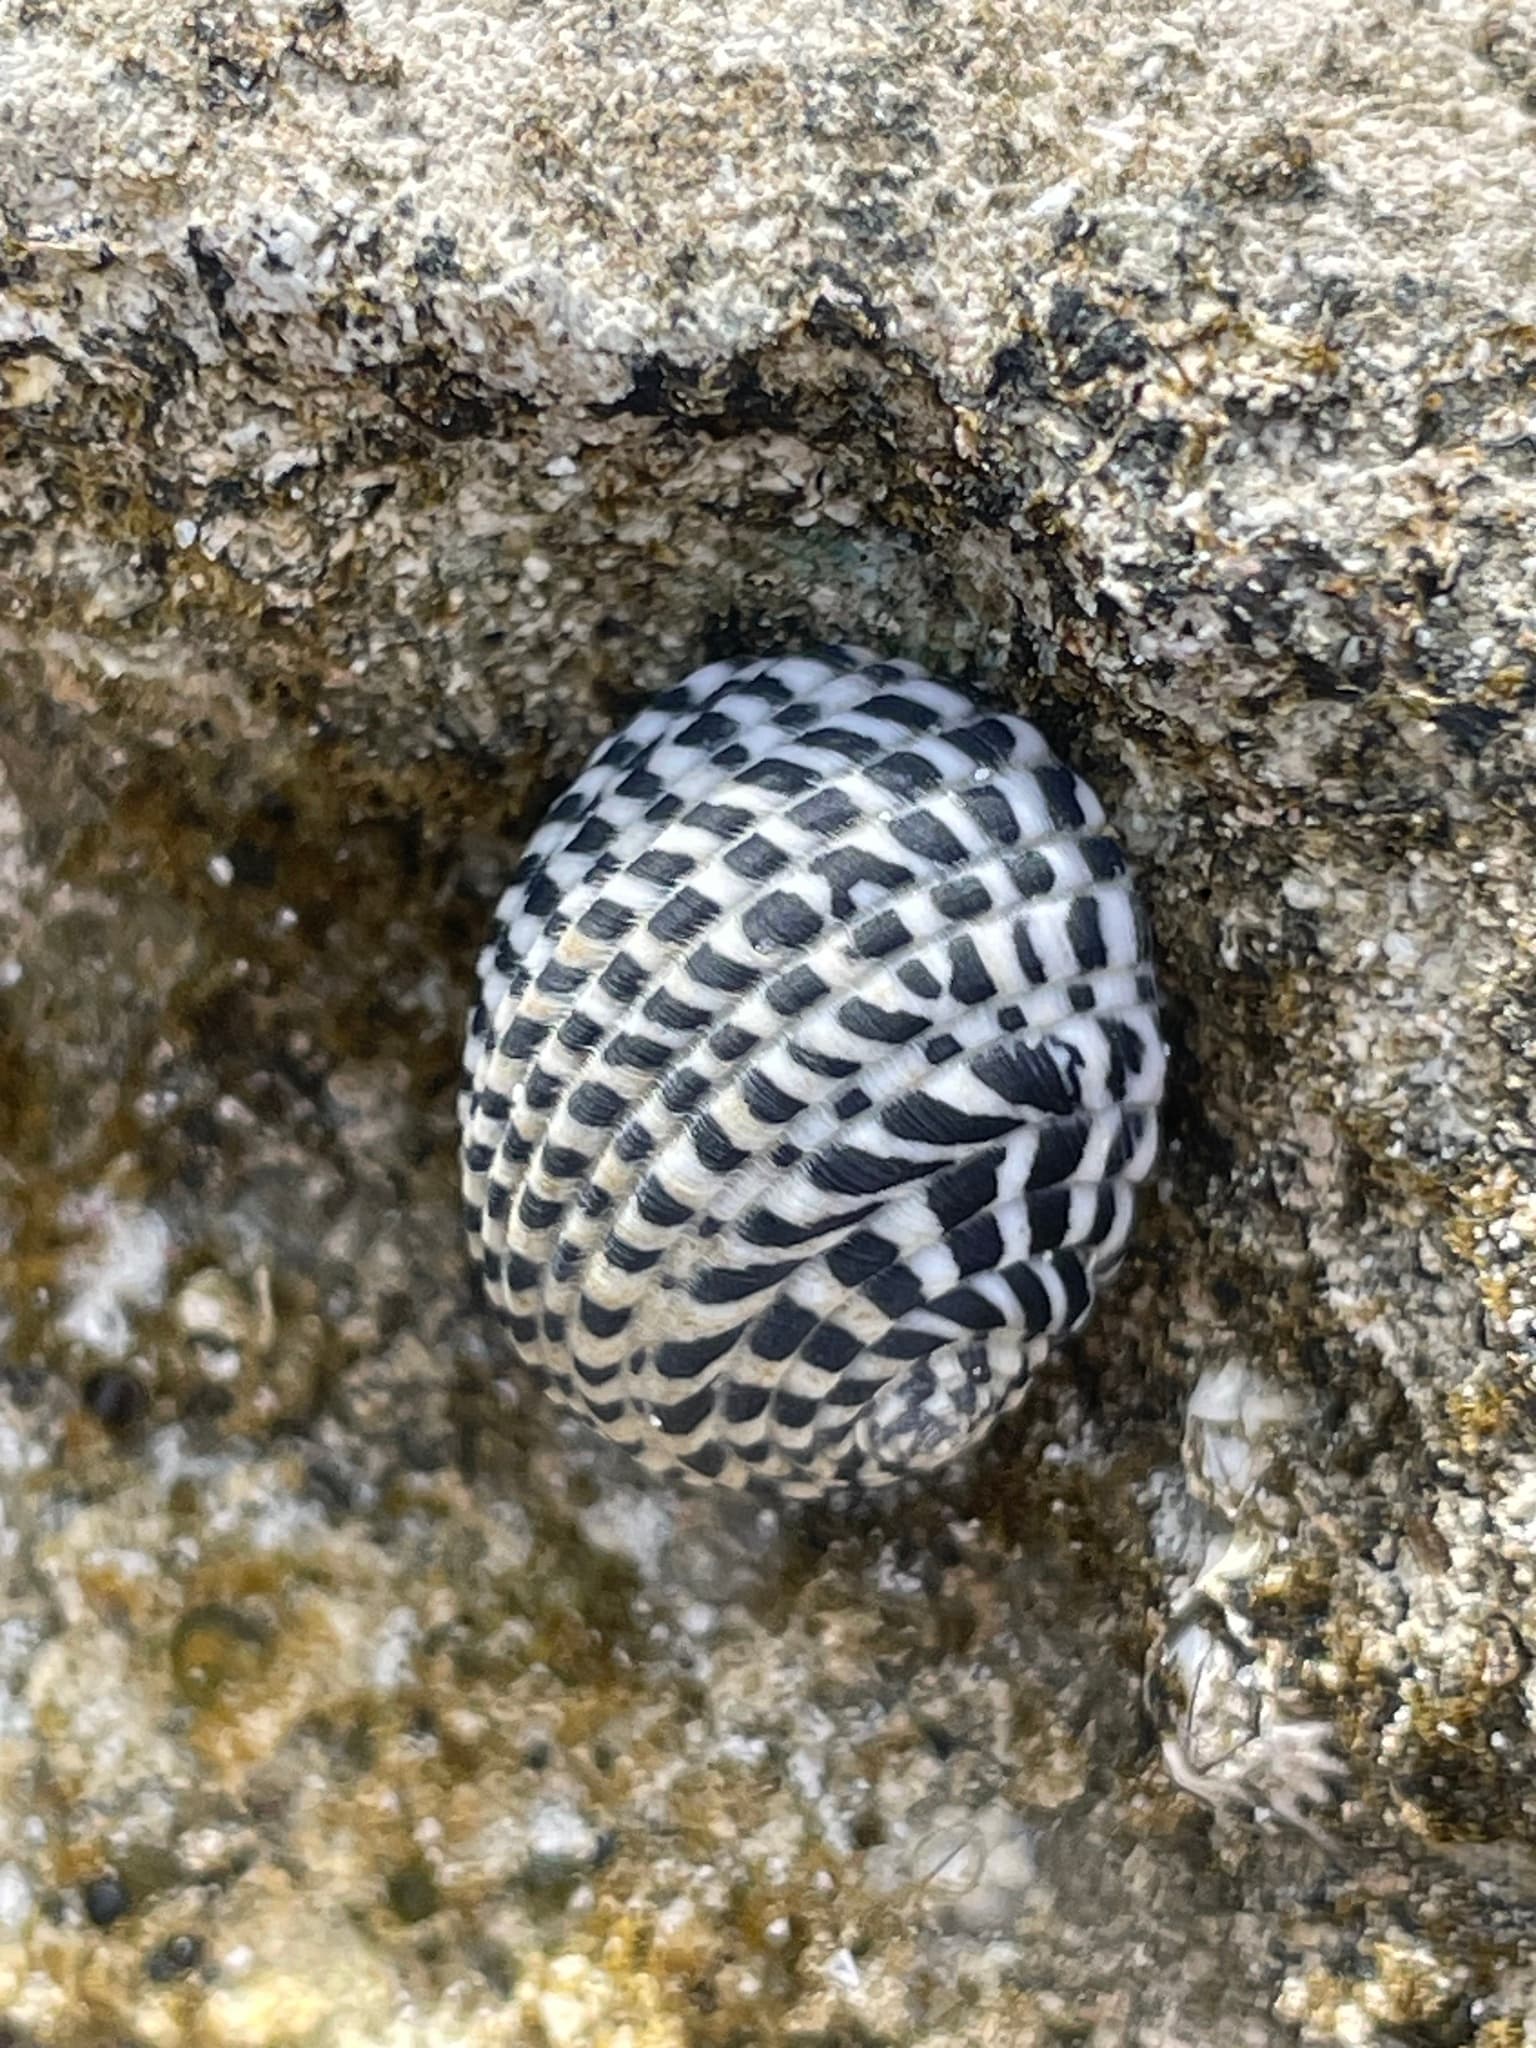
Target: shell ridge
(830,947)
(1024,734)
(747,1183)
(1014,1224)
(530,964)
(545,858)
(872,1070)
(934,1233)
(681,984)
(674,1140)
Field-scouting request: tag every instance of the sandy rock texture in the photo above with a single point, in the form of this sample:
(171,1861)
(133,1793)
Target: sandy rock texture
(387,395)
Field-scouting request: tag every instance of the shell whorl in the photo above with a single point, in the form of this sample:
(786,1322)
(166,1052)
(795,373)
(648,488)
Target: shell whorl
(815,1066)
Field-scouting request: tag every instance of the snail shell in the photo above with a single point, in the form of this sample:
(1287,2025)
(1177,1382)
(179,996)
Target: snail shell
(815,1066)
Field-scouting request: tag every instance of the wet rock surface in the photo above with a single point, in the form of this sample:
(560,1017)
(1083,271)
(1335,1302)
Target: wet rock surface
(385,398)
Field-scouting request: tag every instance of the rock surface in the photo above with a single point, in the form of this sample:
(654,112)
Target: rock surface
(385,395)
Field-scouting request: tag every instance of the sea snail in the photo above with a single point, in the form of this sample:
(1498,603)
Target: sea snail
(815,1066)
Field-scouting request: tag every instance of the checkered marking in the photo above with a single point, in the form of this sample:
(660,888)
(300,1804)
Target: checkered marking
(815,1066)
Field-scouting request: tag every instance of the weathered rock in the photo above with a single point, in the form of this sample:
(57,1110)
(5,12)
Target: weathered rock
(383,396)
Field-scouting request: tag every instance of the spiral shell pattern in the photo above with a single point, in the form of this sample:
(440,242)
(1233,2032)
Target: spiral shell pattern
(815,1066)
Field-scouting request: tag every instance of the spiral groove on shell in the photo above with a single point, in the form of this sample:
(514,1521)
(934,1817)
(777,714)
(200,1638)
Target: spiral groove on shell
(815,1066)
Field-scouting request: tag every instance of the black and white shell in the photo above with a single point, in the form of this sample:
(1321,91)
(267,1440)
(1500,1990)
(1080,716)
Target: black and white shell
(815,1066)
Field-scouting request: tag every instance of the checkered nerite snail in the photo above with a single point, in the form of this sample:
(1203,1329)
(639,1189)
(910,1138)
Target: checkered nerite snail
(815,1066)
